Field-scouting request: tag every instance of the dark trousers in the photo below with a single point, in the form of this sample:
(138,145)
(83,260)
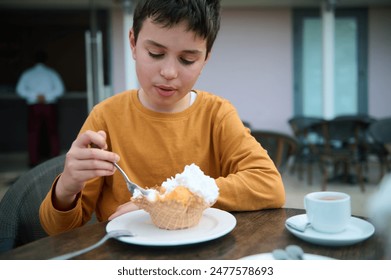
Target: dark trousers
(42,116)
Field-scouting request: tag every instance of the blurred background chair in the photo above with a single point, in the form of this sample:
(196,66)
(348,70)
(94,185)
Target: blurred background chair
(342,137)
(380,131)
(365,144)
(19,208)
(280,146)
(306,132)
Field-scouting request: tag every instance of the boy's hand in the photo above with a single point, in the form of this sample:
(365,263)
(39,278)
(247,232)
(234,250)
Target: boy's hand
(83,163)
(122,209)
(41,99)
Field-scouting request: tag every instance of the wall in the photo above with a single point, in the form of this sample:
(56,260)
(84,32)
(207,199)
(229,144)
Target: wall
(379,74)
(251,65)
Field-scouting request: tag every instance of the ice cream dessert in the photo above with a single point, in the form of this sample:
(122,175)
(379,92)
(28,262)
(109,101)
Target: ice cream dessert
(180,201)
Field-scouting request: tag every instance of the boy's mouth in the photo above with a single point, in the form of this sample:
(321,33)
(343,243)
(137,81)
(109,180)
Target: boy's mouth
(165,91)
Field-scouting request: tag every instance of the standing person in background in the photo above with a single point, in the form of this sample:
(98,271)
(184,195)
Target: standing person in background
(41,86)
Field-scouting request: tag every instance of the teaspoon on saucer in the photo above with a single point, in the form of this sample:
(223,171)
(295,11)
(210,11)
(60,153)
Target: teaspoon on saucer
(298,226)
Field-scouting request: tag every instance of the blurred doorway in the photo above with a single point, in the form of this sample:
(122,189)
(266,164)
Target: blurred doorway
(350,65)
(61,32)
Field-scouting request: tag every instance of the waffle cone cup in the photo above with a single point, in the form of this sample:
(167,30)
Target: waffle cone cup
(172,214)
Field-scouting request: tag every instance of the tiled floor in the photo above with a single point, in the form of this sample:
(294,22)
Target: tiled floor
(15,164)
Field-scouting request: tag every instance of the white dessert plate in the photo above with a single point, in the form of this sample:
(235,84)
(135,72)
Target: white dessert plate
(269,256)
(357,231)
(214,223)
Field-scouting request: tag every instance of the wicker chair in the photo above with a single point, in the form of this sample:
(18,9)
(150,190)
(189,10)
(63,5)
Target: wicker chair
(308,137)
(280,146)
(19,208)
(342,138)
(380,130)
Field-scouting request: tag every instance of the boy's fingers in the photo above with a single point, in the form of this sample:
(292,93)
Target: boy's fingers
(92,139)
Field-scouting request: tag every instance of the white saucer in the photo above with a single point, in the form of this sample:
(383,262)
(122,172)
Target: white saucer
(357,231)
(214,223)
(269,256)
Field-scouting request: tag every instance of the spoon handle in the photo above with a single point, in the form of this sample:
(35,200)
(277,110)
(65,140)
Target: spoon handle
(295,252)
(280,254)
(111,234)
(82,251)
(298,226)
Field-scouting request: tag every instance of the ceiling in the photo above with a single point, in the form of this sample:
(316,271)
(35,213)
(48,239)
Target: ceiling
(225,3)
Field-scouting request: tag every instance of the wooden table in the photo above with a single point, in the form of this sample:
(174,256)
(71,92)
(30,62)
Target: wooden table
(256,232)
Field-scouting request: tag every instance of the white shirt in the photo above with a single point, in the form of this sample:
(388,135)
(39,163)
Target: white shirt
(40,80)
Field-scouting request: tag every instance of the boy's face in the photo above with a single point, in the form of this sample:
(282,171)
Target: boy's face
(168,63)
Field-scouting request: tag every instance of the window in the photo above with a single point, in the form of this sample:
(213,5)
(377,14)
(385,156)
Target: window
(350,65)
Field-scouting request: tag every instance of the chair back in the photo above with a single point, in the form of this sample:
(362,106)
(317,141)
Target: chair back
(342,146)
(280,146)
(301,125)
(364,118)
(19,208)
(347,133)
(380,130)
(363,121)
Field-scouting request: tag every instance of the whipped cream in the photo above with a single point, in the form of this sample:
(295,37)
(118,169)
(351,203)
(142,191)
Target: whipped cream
(151,196)
(191,178)
(196,181)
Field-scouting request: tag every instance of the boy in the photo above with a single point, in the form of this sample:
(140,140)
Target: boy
(155,131)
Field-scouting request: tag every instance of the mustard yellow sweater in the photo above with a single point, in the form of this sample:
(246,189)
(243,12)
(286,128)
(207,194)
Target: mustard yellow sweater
(155,146)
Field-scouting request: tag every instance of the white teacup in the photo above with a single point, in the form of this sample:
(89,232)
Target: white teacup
(328,212)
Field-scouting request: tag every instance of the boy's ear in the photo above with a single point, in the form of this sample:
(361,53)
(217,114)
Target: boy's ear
(132,42)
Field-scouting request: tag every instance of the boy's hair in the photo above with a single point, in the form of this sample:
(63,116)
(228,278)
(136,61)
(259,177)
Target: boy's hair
(202,16)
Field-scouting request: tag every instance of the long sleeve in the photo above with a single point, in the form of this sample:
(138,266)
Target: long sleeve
(249,179)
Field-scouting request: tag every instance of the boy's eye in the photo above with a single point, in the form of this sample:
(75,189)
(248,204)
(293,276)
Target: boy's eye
(155,55)
(186,62)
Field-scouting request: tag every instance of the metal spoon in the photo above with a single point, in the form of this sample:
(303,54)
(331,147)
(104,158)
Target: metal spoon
(110,234)
(280,254)
(295,252)
(132,186)
(298,226)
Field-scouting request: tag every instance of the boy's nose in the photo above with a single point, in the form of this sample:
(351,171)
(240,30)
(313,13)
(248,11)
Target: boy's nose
(169,70)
